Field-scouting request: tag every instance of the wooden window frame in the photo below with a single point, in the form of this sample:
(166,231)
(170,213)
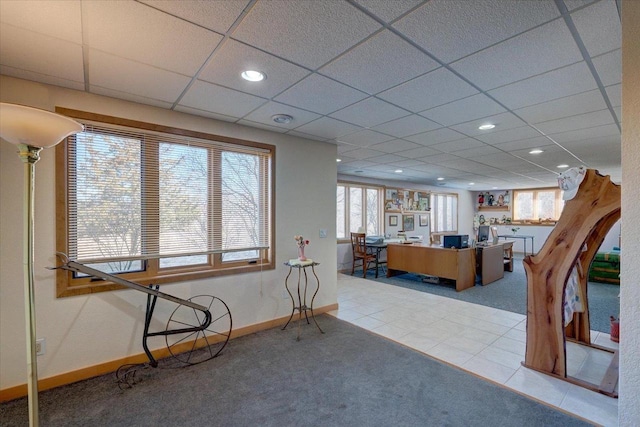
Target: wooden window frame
(69,285)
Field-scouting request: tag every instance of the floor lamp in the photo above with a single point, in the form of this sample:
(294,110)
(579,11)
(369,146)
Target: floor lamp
(31,130)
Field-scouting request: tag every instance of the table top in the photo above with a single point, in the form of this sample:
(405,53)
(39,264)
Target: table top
(296,263)
(518,236)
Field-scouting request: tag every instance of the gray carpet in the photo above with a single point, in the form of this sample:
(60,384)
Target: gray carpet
(510,293)
(346,377)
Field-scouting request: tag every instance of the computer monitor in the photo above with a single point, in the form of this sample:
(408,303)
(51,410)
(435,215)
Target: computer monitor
(483,233)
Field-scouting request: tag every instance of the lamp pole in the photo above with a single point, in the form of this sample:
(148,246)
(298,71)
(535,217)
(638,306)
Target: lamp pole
(31,130)
(29,156)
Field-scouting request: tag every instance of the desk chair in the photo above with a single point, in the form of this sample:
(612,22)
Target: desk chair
(507,255)
(359,251)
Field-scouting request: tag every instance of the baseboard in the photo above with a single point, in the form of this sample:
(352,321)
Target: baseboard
(70,377)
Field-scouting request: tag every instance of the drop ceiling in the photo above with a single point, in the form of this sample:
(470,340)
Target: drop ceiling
(396,85)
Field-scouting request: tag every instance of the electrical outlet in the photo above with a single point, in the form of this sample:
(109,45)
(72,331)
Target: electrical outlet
(41,346)
(323,233)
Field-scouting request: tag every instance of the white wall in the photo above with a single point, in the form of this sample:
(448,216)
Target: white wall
(629,405)
(87,330)
(465,213)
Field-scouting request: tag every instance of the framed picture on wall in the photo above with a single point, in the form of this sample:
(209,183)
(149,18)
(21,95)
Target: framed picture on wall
(407,222)
(423,220)
(393,220)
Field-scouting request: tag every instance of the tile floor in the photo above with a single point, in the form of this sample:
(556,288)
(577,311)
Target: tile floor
(485,341)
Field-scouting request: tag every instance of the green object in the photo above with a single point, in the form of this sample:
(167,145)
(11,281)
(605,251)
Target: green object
(605,268)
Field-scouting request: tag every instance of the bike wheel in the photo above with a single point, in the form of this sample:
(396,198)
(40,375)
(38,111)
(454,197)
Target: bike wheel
(201,344)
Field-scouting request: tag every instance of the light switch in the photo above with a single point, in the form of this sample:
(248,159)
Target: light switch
(323,233)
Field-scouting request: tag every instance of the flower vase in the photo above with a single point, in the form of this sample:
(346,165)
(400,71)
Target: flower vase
(301,256)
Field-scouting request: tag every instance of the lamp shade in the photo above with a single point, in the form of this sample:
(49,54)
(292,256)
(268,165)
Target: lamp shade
(34,127)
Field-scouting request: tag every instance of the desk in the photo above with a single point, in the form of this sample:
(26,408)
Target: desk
(454,264)
(519,236)
(302,306)
(490,260)
(378,248)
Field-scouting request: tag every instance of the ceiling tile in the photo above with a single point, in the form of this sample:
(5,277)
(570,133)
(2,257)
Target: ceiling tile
(37,77)
(609,67)
(35,53)
(395,146)
(140,33)
(581,121)
(258,125)
(591,132)
(555,84)
(435,136)
(234,57)
(573,4)
(379,63)
(365,138)
(409,163)
(599,27)
(478,151)
(202,113)
(585,102)
(265,112)
(369,112)
(437,159)
(406,126)
(545,48)
(139,79)
(388,10)
(220,100)
(514,145)
(463,110)
(309,33)
(419,153)
(461,144)
(319,94)
(502,122)
(614,92)
(307,135)
(387,158)
(59,19)
(214,15)
(328,128)
(364,154)
(129,97)
(451,29)
(430,90)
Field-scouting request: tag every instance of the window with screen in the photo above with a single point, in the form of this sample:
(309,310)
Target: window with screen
(537,204)
(358,207)
(159,204)
(444,212)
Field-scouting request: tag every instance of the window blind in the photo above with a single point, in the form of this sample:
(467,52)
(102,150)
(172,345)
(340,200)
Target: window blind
(135,195)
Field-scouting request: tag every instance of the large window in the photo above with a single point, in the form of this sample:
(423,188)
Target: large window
(161,205)
(538,205)
(359,207)
(444,212)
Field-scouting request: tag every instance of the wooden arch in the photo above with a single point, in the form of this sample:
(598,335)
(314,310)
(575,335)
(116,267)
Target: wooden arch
(585,219)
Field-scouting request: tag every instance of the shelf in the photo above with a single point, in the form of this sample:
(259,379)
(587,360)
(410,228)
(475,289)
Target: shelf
(396,211)
(493,208)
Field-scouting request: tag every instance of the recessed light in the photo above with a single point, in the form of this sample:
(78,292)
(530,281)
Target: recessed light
(472,183)
(562,166)
(253,75)
(440,178)
(338,160)
(282,119)
(398,171)
(494,188)
(486,126)
(536,151)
